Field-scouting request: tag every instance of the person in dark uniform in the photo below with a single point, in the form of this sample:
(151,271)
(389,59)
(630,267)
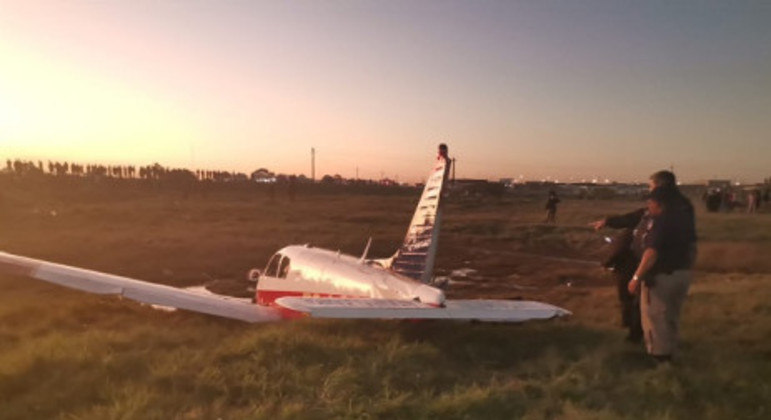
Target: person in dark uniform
(664,274)
(713,200)
(551,207)
(443,151)
(444,154)
(624,260)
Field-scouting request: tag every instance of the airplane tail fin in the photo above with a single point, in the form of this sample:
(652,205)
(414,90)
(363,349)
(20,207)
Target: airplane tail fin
(415,258)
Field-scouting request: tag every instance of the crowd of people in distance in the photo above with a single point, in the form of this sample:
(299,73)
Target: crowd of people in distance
(727,200)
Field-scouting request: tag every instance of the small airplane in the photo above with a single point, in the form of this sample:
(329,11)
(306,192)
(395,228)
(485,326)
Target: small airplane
(301,280)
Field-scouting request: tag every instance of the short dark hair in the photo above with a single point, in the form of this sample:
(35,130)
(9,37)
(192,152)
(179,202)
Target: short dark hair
(662,195)
(664,179)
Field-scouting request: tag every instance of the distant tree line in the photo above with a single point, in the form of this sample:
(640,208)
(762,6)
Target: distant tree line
(155,171)
(24,168)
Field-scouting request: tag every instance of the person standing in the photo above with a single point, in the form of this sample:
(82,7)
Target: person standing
(664,273)
(551,207)
(622,262)
(638,222)
(752,201)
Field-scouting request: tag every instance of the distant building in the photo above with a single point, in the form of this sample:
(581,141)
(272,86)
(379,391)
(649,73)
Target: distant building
(507,182)
(477,187)
(719,183)
(263,176)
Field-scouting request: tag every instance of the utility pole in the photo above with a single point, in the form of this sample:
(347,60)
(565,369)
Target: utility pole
(313,165)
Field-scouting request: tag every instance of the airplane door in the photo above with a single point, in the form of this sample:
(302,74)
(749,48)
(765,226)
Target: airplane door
(266,288)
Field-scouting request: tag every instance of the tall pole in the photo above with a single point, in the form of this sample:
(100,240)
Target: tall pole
(453,170)
(313,164)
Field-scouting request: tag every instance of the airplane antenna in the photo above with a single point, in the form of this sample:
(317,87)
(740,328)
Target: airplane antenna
(313,164)
(366,251)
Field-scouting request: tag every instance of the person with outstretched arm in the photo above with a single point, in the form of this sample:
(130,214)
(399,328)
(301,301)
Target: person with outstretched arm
(628,249)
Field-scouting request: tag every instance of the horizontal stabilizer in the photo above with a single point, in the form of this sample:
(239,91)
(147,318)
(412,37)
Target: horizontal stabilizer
(141,291)
(478,310)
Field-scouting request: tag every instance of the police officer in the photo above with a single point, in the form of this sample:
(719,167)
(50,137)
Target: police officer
(664,275)
(629,247)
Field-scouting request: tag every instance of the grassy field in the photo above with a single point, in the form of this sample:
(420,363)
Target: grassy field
(70,355)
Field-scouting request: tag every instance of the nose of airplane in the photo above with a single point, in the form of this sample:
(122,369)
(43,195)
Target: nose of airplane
(430,295)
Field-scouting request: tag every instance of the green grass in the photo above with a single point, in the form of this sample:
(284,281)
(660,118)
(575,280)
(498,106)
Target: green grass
(70,355)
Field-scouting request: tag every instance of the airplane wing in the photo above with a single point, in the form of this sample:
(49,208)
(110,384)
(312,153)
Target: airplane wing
(478,310)
(141,291)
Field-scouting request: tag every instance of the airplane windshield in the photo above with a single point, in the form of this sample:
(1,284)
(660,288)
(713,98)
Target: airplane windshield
(272,268)
(284,268)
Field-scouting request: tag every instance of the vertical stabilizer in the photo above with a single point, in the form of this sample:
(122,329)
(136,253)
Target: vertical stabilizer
(415,258)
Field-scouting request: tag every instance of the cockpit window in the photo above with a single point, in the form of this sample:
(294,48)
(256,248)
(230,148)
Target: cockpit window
(283,268)
(272,269)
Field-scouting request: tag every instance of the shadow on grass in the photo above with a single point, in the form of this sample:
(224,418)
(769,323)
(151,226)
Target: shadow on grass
(475,347)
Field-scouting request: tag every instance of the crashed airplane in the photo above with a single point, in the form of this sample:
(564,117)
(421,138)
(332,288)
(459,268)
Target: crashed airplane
(304,281)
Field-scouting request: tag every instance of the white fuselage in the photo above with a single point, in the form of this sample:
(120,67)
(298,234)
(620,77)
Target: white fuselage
(305,271)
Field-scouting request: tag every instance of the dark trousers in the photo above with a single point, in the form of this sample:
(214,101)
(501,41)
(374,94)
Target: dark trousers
(630,306)
(624,263)
(551,215)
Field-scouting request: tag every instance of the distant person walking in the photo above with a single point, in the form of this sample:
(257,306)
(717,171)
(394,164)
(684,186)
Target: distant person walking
(551,207)
(729,200)
(664,274)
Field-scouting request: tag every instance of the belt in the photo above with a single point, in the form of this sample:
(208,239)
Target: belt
(670,272)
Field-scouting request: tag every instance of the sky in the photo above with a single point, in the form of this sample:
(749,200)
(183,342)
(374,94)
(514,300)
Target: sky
(561,90)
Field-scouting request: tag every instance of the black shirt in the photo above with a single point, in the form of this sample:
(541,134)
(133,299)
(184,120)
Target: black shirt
(672,235)
(625,221)
(551,203)
(639,222)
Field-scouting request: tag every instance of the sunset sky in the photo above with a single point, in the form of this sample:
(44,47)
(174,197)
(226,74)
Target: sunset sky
(564,89)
